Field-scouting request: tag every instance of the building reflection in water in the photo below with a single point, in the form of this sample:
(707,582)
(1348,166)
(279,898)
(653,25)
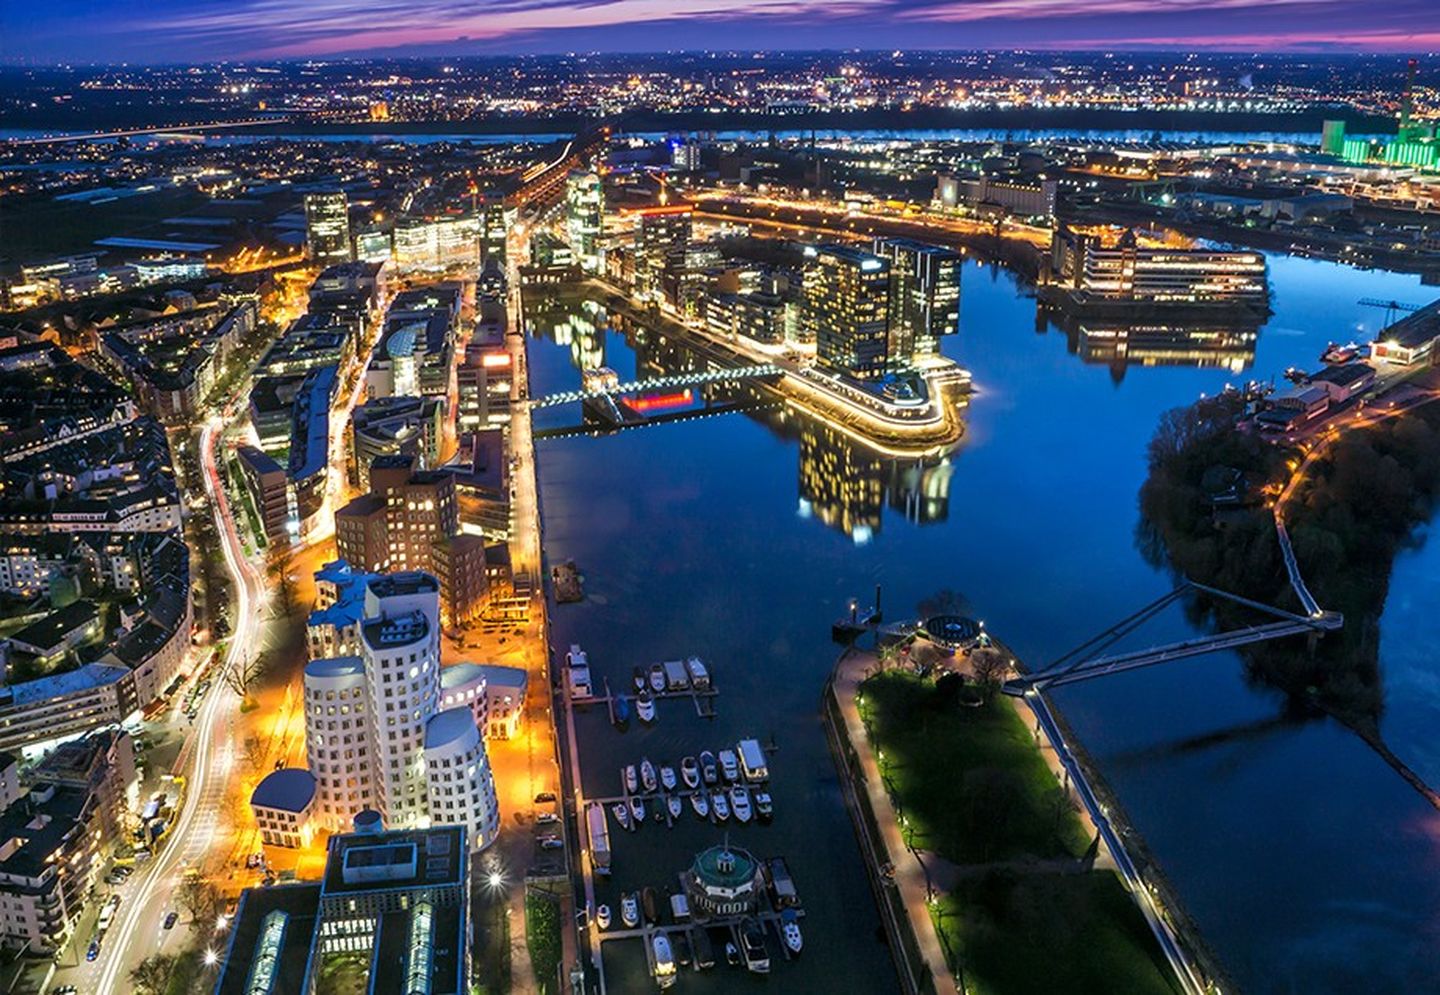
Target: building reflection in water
(843,483)
(846,485)
(579,324)
(1226,343)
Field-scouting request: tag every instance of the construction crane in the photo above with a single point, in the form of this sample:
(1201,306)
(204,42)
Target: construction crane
(1391,307)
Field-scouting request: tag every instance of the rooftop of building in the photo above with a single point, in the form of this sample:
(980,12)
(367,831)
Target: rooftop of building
(290,789)
(504,677)
(403,582)
(460,674)
(270,940)
(1414,329)
(51,631)
(403,858)
(1343,375)
(396,630)
(84,678)
(362,507)
(335,666)
(35,827)
(725,866)
(451,726)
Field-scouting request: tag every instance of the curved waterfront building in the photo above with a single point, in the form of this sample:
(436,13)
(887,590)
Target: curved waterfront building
(338,745)
(400,643)
(461,787)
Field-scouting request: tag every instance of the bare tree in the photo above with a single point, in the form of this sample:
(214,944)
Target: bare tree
(989,666)
(152,975)
(241,675)
(201,899)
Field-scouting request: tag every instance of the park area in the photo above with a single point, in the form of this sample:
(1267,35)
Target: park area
(1021,905)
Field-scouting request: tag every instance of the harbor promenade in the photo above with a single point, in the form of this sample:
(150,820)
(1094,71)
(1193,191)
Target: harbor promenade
(906,877)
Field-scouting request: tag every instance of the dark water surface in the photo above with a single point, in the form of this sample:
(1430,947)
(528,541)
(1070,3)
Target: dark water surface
(1309,866)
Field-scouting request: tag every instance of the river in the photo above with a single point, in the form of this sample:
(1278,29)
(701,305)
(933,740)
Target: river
(1308,865)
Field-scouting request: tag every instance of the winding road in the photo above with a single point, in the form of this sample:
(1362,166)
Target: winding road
(138,922)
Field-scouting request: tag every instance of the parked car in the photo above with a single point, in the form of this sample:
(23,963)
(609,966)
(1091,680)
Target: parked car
(94,950)
(551,843)
(547,818)
(170,919)
(545,796)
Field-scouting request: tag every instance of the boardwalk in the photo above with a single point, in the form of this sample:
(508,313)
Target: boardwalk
(909,878)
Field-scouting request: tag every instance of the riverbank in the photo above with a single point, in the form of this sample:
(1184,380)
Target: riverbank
(997,845)
(890,120)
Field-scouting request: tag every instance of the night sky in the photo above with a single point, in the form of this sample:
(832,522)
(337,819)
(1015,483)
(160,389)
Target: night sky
(206,30)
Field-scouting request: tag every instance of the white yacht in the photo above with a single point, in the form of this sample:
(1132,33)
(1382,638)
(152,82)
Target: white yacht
(690,772)
(647,774)
(729,766)
(667,777)
(632,779)
(666,973)
(674,805)
(740,803)
(630,910)
(622,815)
(645,707)
(790,930)
(720,805)
(701,804)
(637,810)
(602,917)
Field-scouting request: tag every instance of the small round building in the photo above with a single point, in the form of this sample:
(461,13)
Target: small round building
(723,881)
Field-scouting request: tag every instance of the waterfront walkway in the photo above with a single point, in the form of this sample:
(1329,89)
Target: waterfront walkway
(909,877)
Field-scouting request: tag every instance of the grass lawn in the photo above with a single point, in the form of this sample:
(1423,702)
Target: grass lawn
(972,785)
(974,788)
(1047,933)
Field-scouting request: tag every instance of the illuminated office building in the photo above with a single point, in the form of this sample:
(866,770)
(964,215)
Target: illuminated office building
(327,227)
(585,218)
(662,234)
(495,223)
(847,310)
(436,244)
(1085,272)
(924,298)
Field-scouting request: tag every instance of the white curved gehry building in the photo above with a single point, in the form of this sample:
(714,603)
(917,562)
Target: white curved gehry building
(400,643)
(377,733)
(338,745)
(461,787)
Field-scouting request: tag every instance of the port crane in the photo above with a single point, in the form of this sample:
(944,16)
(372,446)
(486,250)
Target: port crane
(1391,308)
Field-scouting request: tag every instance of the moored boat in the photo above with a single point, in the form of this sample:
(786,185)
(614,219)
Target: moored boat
(752,946)
(690,772)
(602,917)
(622,814)
(701,804)
(645,707)
(630,910)
(666,974)
(708,770)
(637,810)
(674,806)
(764,805)
(649,903)
(740,803)
(638,676)
(729,765)
(657,676)
(632,779)
(720,806)
(622,710)
(790,930)
(647,774)
(667,777)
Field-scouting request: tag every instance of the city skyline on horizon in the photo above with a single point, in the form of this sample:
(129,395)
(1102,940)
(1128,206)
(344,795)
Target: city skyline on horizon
(258,30)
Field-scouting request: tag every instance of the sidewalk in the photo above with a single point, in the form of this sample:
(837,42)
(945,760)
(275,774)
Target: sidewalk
(908,878)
